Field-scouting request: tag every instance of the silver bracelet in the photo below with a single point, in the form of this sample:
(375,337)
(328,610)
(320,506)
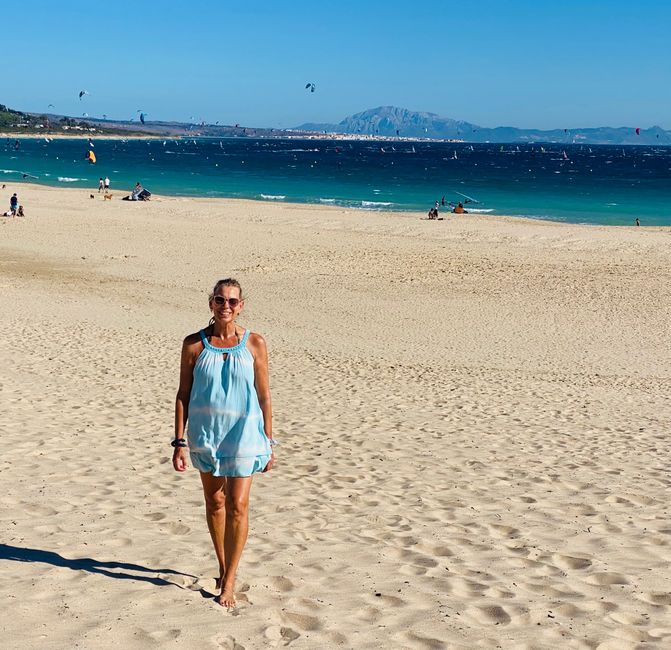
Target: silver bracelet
(273,442)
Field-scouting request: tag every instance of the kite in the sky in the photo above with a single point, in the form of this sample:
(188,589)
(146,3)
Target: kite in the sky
(311,86)
(638,131)
(142,116)
(51,106)
(82,93)
(91,157)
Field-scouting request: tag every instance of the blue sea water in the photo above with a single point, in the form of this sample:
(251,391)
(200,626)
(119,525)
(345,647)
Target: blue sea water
(561,182)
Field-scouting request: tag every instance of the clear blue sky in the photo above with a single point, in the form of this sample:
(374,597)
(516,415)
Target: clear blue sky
(524,63)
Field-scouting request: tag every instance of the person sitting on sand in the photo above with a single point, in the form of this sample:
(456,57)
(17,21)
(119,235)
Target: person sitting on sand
(224,395)
(459,208)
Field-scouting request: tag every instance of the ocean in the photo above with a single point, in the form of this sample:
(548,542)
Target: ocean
(560,182)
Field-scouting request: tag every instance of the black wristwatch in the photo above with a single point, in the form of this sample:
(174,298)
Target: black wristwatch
(179,442)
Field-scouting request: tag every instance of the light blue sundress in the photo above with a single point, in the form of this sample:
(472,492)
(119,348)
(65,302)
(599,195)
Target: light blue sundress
(225,422)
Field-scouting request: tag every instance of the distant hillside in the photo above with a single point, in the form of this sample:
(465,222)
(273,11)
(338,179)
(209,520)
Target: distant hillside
(392,121)
(17,122)
(12,121)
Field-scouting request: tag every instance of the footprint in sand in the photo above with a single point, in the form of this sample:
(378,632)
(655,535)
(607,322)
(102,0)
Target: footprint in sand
(570,562)
(302,621)
(177,529)
(279,635)
(605,578)
(183,582)
(489,615)
(411,639)
(164,635)
(281,583)
(228,643)
(656,597)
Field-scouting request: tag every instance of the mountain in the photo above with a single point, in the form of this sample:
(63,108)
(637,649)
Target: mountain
(388,120)
(391,121)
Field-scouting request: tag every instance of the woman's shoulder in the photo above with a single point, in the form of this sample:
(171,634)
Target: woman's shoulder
(256,341)
(192,339)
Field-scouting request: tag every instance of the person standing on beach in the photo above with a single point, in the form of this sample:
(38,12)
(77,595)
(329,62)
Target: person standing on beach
(107,183)
(14,204)
(101,185)
(224,395)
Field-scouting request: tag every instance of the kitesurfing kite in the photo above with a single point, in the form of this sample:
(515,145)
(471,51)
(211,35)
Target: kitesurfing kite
(91,157)
(311,86)
(51,106)
(638,131)
(82,93)
(142,115)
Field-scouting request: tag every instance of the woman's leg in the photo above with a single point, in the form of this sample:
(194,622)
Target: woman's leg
(237,524)
(215,512)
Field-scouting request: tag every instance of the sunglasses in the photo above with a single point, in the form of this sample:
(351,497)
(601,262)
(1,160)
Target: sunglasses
(220,300)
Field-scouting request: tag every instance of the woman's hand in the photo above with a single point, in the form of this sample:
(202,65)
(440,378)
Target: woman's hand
(179,459)
(271,462)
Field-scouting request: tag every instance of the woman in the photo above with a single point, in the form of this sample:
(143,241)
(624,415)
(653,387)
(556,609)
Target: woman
(224,395)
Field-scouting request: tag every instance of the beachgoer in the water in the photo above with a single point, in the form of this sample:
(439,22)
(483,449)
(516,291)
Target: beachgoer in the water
(224,395)
(638,221)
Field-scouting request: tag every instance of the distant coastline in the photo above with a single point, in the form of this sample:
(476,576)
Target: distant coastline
(384,123)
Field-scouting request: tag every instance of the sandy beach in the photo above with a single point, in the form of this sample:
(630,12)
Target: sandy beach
(474,419)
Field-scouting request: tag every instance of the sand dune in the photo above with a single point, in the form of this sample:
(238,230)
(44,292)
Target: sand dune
(473,416)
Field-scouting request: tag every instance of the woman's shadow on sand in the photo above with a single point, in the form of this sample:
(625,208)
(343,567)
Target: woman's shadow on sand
(110,569)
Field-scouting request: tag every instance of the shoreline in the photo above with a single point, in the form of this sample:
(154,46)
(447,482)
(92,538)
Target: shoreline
(391,214)
(80,136)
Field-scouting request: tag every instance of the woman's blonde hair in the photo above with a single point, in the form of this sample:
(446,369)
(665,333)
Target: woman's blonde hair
(228,282)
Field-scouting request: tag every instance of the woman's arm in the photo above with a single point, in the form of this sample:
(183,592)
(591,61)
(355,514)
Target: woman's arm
(182,400)
(262,381)
(262,385)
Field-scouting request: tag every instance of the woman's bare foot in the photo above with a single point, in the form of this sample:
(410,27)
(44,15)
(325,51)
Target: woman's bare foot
(226,598)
